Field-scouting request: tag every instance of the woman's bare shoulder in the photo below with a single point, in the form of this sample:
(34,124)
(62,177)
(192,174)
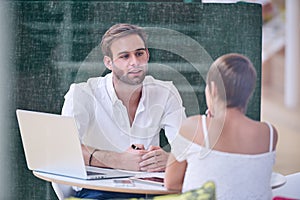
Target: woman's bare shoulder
(191,127)
(259,136)
(275,133)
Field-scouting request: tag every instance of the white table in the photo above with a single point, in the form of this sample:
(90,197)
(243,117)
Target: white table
(106,184)
(138,188)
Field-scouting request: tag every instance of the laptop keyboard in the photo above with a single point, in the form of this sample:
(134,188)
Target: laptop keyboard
(89,173)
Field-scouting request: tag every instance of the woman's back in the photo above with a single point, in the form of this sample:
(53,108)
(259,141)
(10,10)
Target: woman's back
(239,134)
(238,174)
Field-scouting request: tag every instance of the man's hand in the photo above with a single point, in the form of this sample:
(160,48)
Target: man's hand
(130,159)
(155,160)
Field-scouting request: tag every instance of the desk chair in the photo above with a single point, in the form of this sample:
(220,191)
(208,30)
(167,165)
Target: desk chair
(290,189)
(62,191)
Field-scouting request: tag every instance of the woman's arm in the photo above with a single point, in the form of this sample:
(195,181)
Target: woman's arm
(174,175)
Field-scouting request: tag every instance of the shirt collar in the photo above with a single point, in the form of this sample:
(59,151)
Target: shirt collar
(141,106)
(114,98)
(110,89)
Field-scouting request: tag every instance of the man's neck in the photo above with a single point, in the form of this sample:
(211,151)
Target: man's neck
(130,96)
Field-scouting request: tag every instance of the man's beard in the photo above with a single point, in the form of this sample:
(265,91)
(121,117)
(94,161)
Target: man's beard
(137,80)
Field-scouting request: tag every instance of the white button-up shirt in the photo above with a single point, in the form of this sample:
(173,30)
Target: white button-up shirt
(102,119)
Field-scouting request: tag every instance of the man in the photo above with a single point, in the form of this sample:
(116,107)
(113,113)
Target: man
(119,116)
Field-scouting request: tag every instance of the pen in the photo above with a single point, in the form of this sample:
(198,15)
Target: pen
(135,147)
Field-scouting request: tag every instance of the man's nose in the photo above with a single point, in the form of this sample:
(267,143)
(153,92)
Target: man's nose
(134,61)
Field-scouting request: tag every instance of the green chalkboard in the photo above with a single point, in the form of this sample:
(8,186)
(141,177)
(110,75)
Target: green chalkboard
(56,43)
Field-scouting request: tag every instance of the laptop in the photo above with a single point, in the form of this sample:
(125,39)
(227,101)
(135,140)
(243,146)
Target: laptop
(51,145)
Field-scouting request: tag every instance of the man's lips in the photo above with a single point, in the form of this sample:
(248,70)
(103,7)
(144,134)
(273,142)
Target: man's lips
(135,72)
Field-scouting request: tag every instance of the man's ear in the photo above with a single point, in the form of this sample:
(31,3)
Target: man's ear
(107,62)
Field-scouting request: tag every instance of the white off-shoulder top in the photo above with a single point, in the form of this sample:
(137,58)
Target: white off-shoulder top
(237,176)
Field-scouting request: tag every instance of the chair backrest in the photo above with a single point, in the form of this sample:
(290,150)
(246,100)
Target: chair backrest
(63,191)
(57,43)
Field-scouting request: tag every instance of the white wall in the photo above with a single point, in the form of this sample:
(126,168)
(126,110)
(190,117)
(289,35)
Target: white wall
(292,54)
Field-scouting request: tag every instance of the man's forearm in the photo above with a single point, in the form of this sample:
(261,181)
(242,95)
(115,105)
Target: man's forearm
(100,158)
(103,158)
(128,160)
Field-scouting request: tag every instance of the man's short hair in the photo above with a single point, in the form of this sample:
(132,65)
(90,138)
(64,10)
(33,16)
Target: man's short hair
(118,31)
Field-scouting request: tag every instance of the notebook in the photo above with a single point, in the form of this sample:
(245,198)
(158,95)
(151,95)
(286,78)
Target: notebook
(51,145)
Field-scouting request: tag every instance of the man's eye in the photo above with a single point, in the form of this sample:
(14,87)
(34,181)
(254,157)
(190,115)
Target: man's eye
(126,56)
(140,53)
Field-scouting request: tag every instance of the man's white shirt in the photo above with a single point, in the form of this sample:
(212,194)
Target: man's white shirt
(102,119)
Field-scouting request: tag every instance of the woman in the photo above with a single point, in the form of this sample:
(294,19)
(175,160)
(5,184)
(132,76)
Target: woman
(226,147)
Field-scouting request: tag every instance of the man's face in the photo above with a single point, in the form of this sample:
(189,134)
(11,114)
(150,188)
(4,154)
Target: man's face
(129,59)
